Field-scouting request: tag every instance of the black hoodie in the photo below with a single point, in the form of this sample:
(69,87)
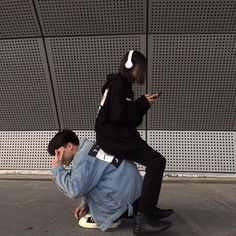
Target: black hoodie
(119,116)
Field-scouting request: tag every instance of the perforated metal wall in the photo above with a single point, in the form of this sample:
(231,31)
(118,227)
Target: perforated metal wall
(18,19)
(27,150)
(196,151)
(91,134)
(26,94)
(184,151)
(52,78)
(192,16)
(92,17)
(196,75)
(79,66)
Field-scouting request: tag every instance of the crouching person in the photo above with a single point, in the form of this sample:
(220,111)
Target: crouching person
(108,184)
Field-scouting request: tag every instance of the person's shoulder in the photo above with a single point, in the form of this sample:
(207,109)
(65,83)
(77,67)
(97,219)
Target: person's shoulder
(110,80)
(85,143)
(85,147)
(118,81)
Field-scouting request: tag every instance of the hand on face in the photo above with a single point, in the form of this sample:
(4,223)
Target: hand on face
(152,97)
(58,160)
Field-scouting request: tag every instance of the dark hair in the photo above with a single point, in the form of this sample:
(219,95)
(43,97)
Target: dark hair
(137,59)
(61,139)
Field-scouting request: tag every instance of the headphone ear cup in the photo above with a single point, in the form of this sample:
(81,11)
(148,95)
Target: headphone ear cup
(129,63)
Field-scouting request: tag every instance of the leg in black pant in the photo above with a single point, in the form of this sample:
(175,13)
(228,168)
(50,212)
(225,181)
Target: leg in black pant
(147,221)
(155,166)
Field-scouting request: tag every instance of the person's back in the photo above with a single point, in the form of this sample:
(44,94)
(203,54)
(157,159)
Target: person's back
(114,184)
(109,184)
(118,118)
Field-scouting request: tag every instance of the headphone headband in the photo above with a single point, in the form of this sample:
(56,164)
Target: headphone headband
(129,63)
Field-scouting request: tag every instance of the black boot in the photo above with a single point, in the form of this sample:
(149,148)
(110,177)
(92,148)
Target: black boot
(144,225)
(161,213)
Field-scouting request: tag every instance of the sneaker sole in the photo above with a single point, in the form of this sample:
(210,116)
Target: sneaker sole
(84,224)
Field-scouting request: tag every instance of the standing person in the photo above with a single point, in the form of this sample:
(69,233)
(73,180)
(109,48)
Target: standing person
(117,120)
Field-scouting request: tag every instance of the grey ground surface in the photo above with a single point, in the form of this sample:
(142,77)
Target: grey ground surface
(36,207)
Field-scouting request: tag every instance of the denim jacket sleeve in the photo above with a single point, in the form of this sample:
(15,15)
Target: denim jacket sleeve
(85,173)
(71,183)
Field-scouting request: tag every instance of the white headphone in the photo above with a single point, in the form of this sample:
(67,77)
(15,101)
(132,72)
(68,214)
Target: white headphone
(129,63)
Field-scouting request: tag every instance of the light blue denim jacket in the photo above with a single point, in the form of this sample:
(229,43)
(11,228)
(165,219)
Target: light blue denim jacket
(108,189)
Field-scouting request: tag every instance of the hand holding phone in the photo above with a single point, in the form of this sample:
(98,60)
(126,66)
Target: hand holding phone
(152,97)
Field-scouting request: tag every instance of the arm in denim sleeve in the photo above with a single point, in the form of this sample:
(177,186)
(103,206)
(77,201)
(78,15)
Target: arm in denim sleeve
(84,204)
(70,183)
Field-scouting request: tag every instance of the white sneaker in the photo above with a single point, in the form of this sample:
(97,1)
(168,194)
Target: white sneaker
(87,221)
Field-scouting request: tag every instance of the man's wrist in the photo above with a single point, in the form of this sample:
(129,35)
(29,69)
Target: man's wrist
(56,162)
(56,169)
(56,165)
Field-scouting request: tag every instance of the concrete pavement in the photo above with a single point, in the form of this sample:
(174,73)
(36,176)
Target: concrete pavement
(34,207)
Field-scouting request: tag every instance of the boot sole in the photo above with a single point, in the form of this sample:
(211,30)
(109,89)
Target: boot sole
(153,232)
(160,218)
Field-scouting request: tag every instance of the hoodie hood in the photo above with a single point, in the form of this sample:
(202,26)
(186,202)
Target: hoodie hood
(109,79)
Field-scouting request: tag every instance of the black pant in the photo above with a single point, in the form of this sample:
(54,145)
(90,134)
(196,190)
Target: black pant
(155,165)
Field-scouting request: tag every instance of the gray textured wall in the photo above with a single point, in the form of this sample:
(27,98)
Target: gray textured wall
(54,57)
